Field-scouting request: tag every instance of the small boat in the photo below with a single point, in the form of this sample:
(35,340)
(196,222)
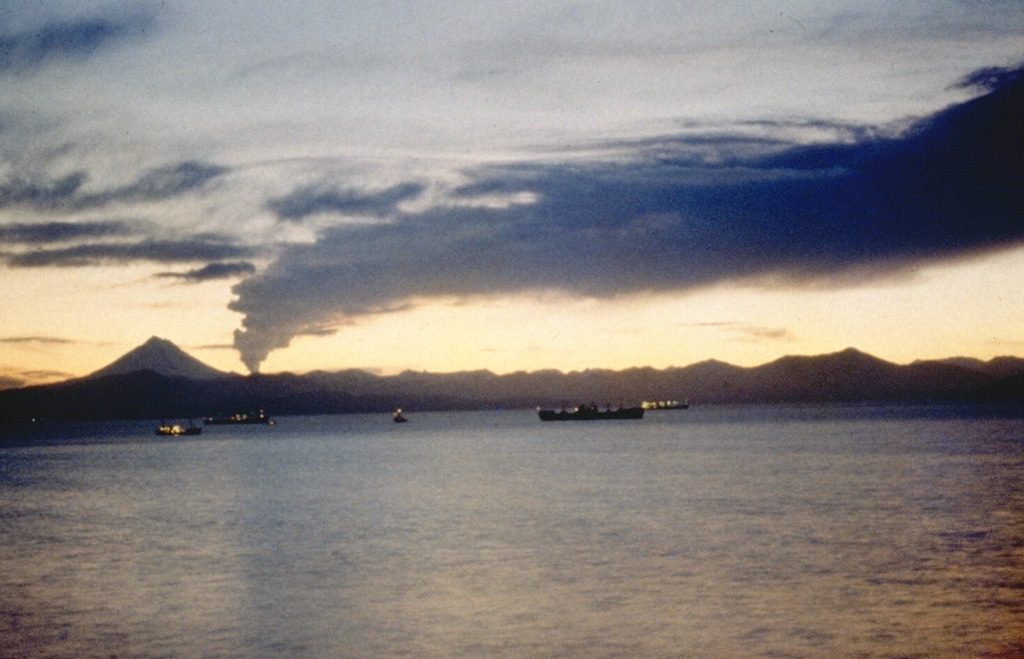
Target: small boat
(244,417)
(664,405)
(591,413)
(397,416)
(175,429)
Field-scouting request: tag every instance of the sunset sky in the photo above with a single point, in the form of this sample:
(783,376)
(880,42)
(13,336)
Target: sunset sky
(520,185)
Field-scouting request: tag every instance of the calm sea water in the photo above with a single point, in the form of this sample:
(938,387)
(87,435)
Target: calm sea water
(710,532)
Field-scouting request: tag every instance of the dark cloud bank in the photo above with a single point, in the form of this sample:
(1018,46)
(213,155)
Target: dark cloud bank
(685,211)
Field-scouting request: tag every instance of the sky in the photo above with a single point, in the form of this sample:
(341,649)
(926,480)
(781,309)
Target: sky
(458,185)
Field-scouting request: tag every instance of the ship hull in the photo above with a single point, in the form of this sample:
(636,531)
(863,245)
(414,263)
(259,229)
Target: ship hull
(591,414)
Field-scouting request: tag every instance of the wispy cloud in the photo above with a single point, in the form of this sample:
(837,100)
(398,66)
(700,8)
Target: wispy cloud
(67,192)
(38,375)
(757,333)
(745,331)
(991,78)
(311,200)
(214,346)
(158,251)
(56,232)
(45,340)
(159,184)
(40,193)
(14,379)
(211,272)
(687,212)
(79,39)
(7,382)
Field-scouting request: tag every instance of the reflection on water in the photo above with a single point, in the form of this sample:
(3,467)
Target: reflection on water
(720,532)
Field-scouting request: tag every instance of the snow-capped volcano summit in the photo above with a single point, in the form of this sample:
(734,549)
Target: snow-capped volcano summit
(163,357)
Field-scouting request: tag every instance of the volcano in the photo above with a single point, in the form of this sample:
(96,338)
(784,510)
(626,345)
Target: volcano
(163,357)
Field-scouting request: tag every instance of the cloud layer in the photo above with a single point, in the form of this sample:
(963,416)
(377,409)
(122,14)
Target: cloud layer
(676,213)
(54,232)
(28,50)
(312,200)
(76,243)
(212,272)
(158,251)
(68,192)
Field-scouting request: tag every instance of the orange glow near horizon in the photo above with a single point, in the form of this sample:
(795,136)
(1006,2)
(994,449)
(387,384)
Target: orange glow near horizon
(83,319)
(973,309)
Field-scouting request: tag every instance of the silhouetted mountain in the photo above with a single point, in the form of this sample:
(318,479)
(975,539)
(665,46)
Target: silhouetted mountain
(159,388)
(852,375)
(1007,389)
(160,356)
(150,395)
(999,366)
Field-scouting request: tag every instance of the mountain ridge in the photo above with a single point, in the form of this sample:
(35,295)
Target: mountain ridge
(160,388)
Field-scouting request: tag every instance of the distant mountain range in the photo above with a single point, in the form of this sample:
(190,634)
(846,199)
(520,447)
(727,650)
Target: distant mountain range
(159,380)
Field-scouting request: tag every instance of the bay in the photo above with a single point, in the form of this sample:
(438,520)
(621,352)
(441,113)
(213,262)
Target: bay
(759,531)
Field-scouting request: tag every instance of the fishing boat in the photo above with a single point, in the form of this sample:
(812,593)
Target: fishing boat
(397,416)
(244,417)
(664,405)
(175,429)
(591,413)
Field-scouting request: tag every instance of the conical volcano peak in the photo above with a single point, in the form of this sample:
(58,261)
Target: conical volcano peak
(163,357)
(154,345)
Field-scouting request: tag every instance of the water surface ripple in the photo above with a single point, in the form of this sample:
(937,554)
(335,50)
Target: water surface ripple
(716,532)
